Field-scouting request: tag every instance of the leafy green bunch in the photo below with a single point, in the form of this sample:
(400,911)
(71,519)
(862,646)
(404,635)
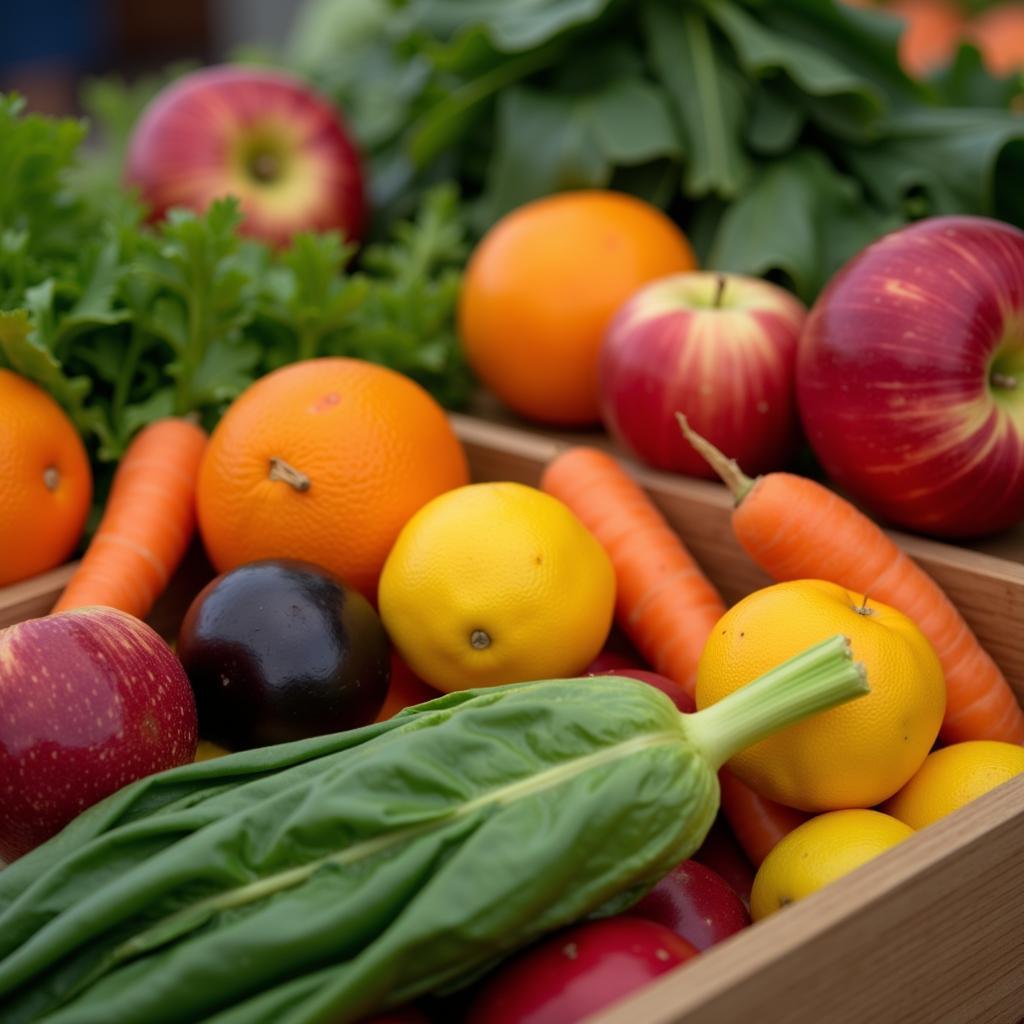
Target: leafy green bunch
(782,134)
(124,323)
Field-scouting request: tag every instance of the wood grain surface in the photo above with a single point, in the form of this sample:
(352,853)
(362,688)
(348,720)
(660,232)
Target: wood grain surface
(931,932)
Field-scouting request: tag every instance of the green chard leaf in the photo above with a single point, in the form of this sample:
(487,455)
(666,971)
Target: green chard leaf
(708,96)
(547,142)
(799,222)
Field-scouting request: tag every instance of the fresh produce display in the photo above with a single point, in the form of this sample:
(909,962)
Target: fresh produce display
(696,904)
(663,602)
(542,286)
(148,522)
(350,881)
(90,701)
(571,975)
(496,583)
(927,433)
(952,777)
(324,461)
(255,133)
(719,348)
(279,651)
(45,481)
(820,851)
(795,528)
(339,708)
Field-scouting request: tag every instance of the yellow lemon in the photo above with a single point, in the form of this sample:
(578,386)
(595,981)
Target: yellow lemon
(855,755)
(207,751)
(818,852)
(496,583)
(954,776)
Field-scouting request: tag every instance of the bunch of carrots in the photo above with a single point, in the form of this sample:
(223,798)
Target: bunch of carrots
(793,528)
(148,522)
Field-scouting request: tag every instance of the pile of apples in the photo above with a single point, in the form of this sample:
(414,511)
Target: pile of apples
(906,377)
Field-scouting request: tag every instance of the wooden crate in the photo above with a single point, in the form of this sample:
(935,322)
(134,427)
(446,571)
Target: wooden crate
(932,932)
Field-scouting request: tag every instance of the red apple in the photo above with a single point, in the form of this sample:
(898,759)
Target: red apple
(255,133)
(682,700)
(720,348)
(574,973)
(695,903)
(90,700)
(910,377)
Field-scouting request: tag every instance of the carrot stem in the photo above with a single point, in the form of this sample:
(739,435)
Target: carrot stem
(728,469)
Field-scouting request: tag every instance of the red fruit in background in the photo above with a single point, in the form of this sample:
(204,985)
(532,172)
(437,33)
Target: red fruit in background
(578,971)
(669,687)
(90,700)
(910,377)
(404,690)
(255,133)
(721,852)
(608,663)
(722,353)
(695,903)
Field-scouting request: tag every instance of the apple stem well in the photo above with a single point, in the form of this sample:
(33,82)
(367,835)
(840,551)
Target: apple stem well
(282,471)
(720,284)
(1004,381)
(732,476)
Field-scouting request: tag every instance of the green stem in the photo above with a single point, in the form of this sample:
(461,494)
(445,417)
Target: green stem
(309,342)
(192,356)
(728,469)
(820,678)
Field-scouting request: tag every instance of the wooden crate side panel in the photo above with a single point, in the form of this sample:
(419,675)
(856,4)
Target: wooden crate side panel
(989,591)
(932,932)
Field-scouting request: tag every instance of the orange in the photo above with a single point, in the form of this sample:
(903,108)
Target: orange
(324,460)
(45,481)
(857,754)
(818,852)
(954,776)
(496,583)
(541,287)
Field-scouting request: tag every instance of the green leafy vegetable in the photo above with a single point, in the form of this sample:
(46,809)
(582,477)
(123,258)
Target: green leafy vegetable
(326,879)
(704,107)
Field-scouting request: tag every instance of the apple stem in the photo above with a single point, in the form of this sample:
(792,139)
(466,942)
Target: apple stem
(280,470)
(732,476)
(719,291)
(1004,380)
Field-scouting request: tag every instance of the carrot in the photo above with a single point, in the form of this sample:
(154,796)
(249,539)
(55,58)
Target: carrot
(664,603)
(757,822)
(794,528)
(147,524)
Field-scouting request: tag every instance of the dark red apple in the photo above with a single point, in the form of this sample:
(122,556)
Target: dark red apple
(720,348)
(578,971)
(259,134)
(90,700)
(669,687)
(695,903)
(910,377)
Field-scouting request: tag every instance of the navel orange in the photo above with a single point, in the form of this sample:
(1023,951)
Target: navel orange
(541,287)
(324,460)
(45,481)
